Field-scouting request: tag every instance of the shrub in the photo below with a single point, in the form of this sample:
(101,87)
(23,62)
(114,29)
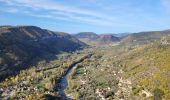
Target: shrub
(109,94)
(137,89)
(143,95)
(158,93)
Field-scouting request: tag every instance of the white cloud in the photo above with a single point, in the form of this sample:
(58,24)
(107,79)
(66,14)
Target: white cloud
(59,9)
(56,10)
(72,18)
(12,10)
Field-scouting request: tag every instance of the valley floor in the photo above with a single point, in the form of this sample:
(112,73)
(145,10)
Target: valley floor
(119,72)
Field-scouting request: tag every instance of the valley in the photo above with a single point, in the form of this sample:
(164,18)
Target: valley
(84,49)
(134,67)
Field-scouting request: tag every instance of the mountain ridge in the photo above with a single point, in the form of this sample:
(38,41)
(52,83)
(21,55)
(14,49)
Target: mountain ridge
(92,38)
(21,46)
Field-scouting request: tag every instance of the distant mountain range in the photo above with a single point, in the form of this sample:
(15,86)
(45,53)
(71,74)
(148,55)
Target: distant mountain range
(92,38)
(21,46)
(89,35)
(145,37)
(120,34)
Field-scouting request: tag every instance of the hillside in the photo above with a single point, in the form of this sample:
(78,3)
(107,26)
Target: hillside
(108,38)
(95,39)
(121,34)
(21,46)
(145,37)
(139,72)
(88,35)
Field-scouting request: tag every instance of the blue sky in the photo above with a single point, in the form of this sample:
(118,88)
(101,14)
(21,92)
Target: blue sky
(100,16)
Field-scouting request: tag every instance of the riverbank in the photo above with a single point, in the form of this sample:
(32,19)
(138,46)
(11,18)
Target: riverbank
(63,82)
(39,81)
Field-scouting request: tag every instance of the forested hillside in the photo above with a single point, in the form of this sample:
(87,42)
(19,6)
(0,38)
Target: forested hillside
(22,46)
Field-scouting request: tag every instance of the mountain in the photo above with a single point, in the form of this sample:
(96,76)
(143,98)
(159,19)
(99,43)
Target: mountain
(21,46)
(145,37)
(95,39)
(137,38)
(108,38)
(120,34)
(89,35)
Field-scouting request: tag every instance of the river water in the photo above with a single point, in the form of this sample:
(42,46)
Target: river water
(64,85)
(64,80)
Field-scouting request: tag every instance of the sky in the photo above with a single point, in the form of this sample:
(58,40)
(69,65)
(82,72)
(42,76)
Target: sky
(100,16)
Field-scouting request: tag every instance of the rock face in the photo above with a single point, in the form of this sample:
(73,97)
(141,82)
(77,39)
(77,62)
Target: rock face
(23,45)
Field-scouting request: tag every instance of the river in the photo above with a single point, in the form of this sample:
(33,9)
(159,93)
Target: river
(64,80)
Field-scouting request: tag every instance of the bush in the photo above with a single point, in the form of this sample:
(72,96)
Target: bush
(158,93)
(109,94)
(143,95)
(137,89)
(151,98)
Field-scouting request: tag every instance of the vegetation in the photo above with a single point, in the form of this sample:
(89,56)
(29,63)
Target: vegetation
(32,84)
(127,70)
(23,46)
